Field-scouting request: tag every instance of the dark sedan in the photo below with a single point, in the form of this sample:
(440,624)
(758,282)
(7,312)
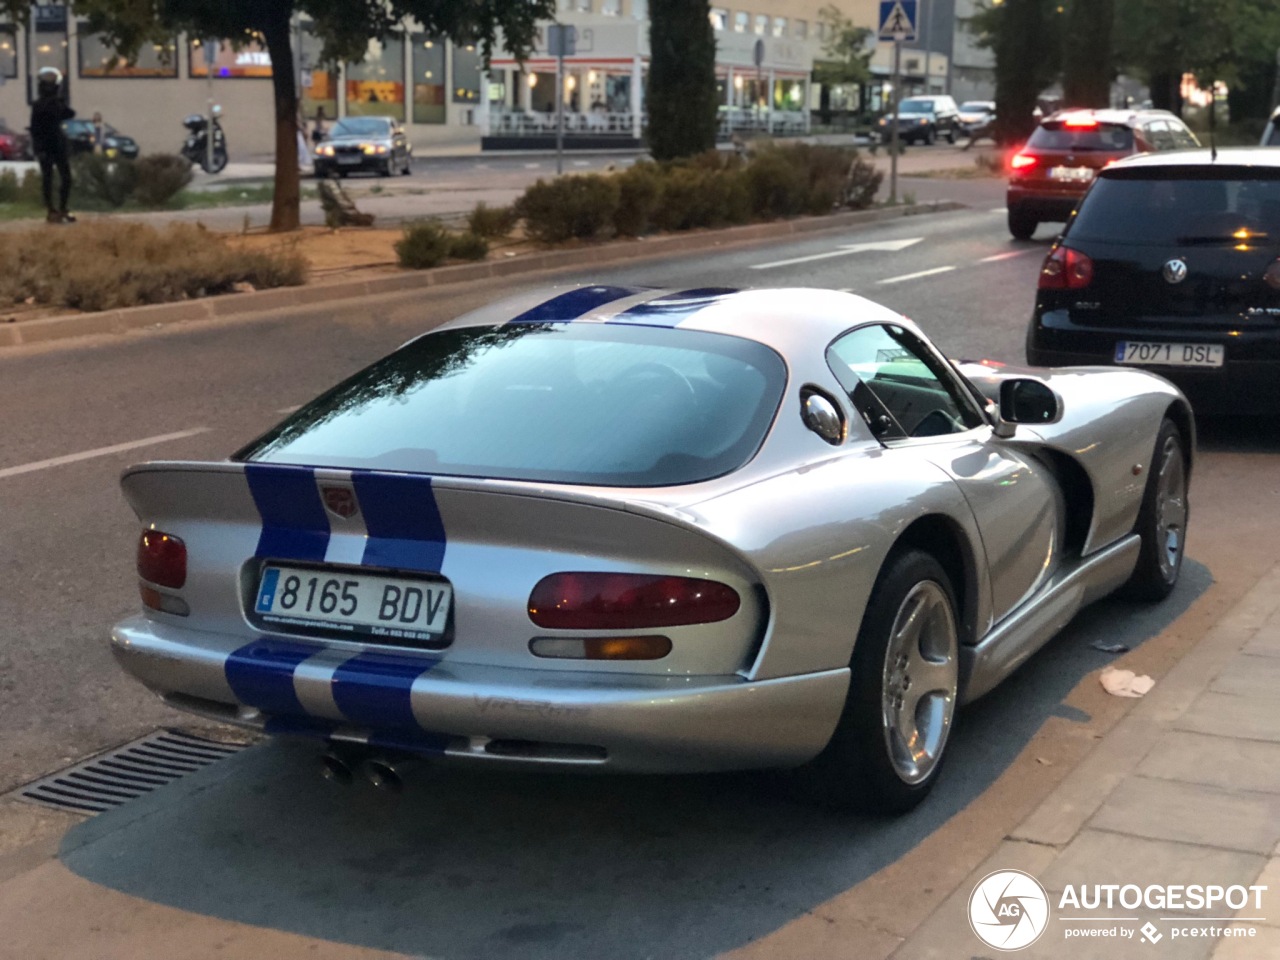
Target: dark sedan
(376,144)
(81,135)
(1172,264)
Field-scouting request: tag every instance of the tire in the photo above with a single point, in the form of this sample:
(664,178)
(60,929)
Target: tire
(1162,519)
(951,136)
(385,170)
(1022,225)
(865,766)
(930,136)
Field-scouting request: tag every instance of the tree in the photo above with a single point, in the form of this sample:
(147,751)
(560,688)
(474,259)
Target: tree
(682,79)
(846,51)
(1088,59)
(1025,36)
(344,26)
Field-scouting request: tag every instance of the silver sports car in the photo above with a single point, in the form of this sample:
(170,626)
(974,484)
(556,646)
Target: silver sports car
(622,529)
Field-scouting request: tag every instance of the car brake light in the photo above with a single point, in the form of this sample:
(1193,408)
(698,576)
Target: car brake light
(162,559)
(1080,123)
(1021,161)
(1066,269)
(1272,276)
(627,601)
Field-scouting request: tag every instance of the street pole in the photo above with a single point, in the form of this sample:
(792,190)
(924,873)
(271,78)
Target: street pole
(208,130)
(560,112)
(893,126)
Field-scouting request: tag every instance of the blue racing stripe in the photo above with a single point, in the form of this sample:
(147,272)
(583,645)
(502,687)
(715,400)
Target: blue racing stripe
(261,674)
(294,524)
(426,744)
(669,309)
(573,304)
(402,520)
(372,689)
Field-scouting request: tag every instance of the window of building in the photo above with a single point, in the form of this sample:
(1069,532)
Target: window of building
(467,63)
(719,18)
(740,21)
(584,6)
(319,80)
(779,26)
(375,86)
(640,9)
(800,29)
(8,52)
(46,43)
(611,8)
(429,79)
(97,59)
(762,24)
(251,60)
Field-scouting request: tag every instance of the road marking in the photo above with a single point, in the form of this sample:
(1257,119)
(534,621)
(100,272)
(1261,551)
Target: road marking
(916,276)
(532,166)
(892,246)
(99,452)
(580,163)
(482,166)
(999,210)
(1007,255)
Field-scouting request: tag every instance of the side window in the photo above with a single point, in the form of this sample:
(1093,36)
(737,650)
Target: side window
(1183,138)
(898,386)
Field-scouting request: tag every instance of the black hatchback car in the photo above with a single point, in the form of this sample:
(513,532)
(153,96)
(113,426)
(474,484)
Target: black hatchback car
(1172,263)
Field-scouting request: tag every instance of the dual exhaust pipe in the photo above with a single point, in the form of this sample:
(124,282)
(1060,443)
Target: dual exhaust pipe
(386,773)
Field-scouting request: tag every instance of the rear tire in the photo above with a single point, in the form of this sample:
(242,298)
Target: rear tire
(1162,519)
(902,691)
(1022,225)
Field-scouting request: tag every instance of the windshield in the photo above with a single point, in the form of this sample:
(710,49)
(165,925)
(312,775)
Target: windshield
(915,106)
(362,127)
(1055,135)
(605,404)
(1273,134)
(1217,206)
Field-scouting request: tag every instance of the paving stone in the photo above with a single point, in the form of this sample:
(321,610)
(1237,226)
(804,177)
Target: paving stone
(1270,878)
(1253,718)
(1250,676)
(1192,813)
(1265,944)
(1265,643)
(1217,761)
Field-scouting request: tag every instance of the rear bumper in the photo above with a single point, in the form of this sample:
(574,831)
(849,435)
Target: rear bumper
(1247,382)
(1043,203)
(567,719)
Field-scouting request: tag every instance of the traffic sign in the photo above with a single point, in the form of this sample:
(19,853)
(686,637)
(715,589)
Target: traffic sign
(898,19)
(562,40)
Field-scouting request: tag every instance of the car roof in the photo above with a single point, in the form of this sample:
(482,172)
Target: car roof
(1126,118)
(1267,157)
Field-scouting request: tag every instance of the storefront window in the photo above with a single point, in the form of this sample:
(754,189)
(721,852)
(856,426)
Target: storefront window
(319,79)
(8,52)
(466,73)
(375,86)
(251,60)
(428,80)
(788,95)
(97,59)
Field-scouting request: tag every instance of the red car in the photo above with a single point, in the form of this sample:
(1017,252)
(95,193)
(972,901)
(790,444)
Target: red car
(1049,175)
(13,145)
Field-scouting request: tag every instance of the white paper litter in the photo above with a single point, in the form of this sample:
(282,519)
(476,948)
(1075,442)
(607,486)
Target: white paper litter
(1125,683)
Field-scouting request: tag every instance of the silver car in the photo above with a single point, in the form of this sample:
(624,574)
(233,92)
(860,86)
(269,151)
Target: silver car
(620,529)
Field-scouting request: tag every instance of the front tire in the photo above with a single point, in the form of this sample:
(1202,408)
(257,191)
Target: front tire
(887,750)
(930,136)
(1162,519)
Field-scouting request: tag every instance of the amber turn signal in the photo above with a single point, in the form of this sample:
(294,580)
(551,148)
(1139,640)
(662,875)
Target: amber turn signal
(601,648)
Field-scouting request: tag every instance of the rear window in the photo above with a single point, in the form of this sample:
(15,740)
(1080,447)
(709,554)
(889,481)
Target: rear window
(1193,207)
(1054,135)
(604,404)
(1273,134)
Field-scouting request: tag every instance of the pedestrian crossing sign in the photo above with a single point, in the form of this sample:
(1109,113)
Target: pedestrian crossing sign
(898,19)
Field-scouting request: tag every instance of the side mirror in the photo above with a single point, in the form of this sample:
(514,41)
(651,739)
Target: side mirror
(1025,400)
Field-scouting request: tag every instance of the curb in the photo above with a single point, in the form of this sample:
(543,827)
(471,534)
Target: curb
(228,305)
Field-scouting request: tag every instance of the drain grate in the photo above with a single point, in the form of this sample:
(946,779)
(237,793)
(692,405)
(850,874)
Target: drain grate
(127,772)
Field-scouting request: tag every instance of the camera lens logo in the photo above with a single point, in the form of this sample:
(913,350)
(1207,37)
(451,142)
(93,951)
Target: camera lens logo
(1008,910)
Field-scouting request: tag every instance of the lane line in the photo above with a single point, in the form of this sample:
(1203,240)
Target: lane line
(844,250)
(916,276)
(1007,255)
(794,260)
(999,210)
(532,166)
(99,452)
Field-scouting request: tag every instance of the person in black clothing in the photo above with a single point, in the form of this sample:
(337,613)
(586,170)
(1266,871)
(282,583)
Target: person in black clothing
(49,143)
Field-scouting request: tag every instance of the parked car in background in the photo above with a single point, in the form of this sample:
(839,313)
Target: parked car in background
(1172,264)
(922,120)
(14,144)
(1049,175)
(976,118)
(376,144)
(80,138)
(1271,135)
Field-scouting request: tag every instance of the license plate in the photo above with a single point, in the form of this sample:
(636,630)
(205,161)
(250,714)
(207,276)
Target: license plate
(349,159)
(363,605)
(1072,174)
(1170,354)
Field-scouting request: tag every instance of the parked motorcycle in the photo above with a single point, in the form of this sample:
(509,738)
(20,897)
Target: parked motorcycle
(196,147)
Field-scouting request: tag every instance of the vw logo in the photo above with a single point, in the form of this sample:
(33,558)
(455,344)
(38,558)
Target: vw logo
(1175,271)
(1008,910)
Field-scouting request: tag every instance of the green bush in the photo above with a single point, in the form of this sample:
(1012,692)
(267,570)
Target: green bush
(639,195)
(779,187)
(581,207)
(468,246)
(161,176)
(8,187)
(99,183)
(491,223)
(24,191)
(424,244)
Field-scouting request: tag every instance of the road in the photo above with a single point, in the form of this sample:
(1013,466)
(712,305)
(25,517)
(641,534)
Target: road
(513,866)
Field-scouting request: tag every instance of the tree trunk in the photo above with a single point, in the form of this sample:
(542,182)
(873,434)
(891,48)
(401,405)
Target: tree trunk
(1019,45)
(1087,54)
(682,79)
(1166,91)
(275,29)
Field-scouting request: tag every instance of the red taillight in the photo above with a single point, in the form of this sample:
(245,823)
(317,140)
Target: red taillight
(628,601)
(1022,161)
(1066,269)
(162,559)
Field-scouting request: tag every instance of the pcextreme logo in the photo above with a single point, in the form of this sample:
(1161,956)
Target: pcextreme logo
(1008,910)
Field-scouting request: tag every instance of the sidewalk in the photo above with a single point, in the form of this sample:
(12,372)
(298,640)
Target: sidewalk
(1185,790)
